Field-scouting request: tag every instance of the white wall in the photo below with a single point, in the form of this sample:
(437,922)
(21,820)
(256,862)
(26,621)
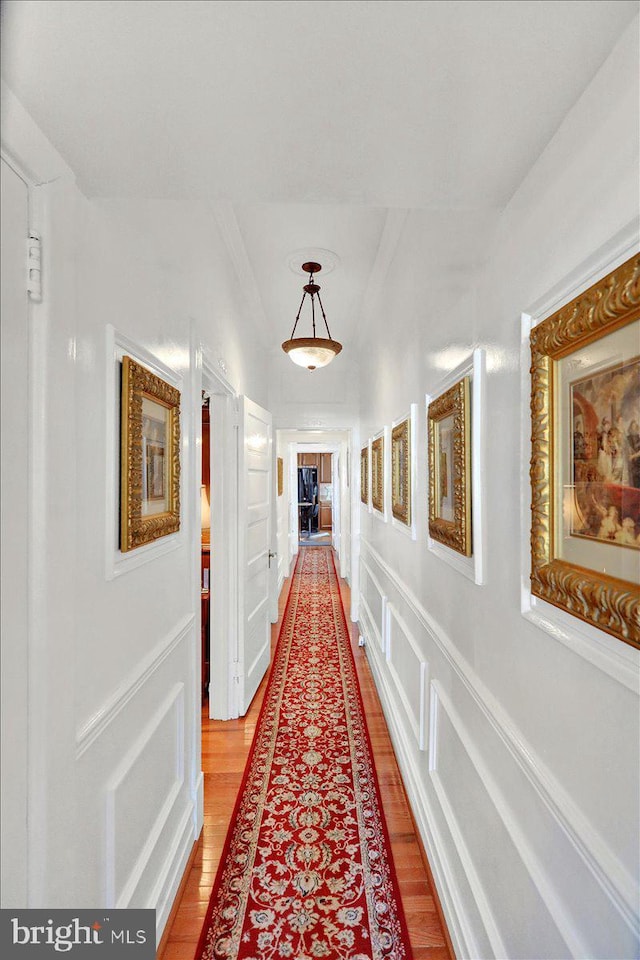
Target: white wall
(115,777)
(526,789)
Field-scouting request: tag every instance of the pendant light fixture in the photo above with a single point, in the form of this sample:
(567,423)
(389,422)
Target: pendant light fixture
(311,352)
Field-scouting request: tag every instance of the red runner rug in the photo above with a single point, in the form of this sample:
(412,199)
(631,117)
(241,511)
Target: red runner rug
(306,870)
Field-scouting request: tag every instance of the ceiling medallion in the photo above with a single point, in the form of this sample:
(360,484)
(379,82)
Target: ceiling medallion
(328,258)
(311,352)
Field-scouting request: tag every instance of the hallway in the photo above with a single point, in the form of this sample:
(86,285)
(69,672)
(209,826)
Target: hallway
(461,181)
(225,747)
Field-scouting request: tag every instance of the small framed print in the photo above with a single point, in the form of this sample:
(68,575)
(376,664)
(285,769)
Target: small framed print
(401,471)
(149,457)
(585,460)
(449,431)
(364,475)
(377,474)
(280,472)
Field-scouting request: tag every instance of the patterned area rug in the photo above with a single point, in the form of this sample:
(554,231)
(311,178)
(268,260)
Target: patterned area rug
(306,871)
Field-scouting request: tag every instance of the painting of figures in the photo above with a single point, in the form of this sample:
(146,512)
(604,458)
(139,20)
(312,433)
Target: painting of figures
(605,409)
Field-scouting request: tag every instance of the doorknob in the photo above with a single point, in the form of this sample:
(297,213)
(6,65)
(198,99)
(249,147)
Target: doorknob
(270,556)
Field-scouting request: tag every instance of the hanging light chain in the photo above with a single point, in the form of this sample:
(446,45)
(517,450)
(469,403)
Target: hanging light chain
(313,310)
(324,317)
(298,314)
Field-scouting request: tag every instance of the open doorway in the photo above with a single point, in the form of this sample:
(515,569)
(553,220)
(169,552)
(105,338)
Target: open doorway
(205,548)
(236,593)
(315,499)
(329,451)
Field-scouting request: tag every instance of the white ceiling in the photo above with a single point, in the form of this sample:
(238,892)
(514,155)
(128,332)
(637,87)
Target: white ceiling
(272,232)
(310,118)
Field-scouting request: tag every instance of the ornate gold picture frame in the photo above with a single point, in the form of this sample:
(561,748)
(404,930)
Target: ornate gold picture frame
(377,474)
(449,430)
(364,475)
(280,472)
(149,457)
(585,485)
(401,472)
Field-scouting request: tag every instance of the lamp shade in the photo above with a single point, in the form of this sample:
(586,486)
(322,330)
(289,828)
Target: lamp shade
(312,352)
(205,514)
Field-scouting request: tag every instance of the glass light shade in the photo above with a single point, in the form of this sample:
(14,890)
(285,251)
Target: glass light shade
(205,511)
(312,352)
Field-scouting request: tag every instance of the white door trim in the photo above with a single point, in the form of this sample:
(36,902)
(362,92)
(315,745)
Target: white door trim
(223,608)
(255,505)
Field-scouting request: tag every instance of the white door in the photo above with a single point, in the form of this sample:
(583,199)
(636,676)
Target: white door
(15,532)
(254,543)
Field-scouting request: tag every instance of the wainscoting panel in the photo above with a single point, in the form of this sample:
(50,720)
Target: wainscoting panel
(465,925)
(108,712)
(156,756)
(136,776)
(409,672)
(476,787)
(467,794)
(373,602)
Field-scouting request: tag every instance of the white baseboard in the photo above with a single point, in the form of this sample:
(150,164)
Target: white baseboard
(198,811)
(173,872)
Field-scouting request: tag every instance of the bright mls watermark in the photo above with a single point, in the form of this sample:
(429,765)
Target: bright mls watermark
(78,933)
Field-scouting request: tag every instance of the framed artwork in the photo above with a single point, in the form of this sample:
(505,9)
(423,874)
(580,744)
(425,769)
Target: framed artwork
(280,469)
(149,457)
(401,472)
(364,475)
(377,474)
(585,457)
(449,430)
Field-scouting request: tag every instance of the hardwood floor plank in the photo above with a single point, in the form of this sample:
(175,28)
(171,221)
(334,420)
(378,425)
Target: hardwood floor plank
(180,950)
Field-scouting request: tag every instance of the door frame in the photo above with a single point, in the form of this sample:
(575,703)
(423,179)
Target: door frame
(15,642)
(223,584)
(334,450)
(50,735)
(341,451)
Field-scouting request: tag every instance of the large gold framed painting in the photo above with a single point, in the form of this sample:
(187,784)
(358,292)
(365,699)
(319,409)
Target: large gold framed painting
(149,457)
(585,459)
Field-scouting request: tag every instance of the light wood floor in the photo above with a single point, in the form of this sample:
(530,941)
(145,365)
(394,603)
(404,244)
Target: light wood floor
(225,747)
